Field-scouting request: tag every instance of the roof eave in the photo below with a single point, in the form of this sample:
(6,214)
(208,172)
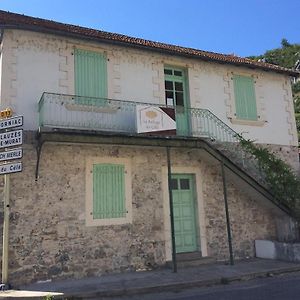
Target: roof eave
(74,35)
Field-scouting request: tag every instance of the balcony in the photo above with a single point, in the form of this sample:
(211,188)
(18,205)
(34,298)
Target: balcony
(76,119)
(59,111)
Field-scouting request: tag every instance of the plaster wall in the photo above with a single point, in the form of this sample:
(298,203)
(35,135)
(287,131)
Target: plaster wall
(35,62)
(1,70)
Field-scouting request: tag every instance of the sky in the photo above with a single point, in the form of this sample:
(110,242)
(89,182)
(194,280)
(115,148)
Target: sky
(242,27)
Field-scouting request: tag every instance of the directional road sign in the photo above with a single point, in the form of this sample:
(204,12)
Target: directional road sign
(11,154)
(11,168)
(11,138)
(11,122)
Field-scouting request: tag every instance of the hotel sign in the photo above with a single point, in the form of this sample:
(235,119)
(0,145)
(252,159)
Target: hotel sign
(155,120)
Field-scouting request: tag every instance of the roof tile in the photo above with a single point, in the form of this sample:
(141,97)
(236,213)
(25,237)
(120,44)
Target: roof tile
(13,20)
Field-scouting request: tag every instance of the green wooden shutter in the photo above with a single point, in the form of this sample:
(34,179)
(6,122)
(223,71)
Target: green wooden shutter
(90,74)
(245,101)
(108,191)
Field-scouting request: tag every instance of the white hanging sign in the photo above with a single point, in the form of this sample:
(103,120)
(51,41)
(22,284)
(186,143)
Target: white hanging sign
(152,119)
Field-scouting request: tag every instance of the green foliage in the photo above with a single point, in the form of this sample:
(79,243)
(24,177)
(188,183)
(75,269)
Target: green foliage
(285,43)
(284,184)
(286,56)
(296,88)
(297,110)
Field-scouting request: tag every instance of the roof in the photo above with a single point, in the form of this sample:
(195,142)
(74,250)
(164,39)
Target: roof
(18,21)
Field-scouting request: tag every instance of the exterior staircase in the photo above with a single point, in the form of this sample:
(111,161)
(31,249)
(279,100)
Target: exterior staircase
(62,116)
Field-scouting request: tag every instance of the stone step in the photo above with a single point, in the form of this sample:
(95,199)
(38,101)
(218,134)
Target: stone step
(187,260)
(188,256)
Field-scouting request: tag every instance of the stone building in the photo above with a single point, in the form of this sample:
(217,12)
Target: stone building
(93,196)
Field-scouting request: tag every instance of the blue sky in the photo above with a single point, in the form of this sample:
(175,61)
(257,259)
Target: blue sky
(242,27)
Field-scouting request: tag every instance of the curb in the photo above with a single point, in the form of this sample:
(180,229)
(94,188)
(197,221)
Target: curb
(175,286)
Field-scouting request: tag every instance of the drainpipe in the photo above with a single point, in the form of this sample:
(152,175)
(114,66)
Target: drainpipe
(227,214)
(171,213)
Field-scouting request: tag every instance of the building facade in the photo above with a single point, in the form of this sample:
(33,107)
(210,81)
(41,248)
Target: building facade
(93,196)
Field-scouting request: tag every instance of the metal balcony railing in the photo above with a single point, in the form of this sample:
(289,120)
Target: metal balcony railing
(60,111)
(102,114)
(118,116)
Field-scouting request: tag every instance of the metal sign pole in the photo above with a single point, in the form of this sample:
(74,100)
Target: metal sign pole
(5,229)
(227,214)
(10,138)
(171,213)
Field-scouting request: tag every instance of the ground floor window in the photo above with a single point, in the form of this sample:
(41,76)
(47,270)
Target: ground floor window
(108,191)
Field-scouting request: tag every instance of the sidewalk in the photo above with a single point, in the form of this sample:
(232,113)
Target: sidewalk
(152,281)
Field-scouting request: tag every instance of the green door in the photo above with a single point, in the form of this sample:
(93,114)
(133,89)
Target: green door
(183,192)
(176,94)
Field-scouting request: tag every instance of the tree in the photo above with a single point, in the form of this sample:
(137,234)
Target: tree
(285,43)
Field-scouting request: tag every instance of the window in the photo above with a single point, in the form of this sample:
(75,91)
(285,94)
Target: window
(90,77)
(174,87)
(245,100)
(108,186)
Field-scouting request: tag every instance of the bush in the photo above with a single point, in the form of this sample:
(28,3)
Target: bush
(282,181)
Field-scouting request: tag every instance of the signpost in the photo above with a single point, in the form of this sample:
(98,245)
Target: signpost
(11,154)
(11,168)
(11,122)
(9,138)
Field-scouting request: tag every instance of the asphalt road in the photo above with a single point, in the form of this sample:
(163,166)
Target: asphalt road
(285,287)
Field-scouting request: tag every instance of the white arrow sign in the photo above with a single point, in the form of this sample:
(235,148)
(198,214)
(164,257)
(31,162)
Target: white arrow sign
(11,122)
(11,138)
(11,168)
(11,154)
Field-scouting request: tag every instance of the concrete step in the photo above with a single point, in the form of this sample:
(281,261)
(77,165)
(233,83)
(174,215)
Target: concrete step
(187,256)
(193,259)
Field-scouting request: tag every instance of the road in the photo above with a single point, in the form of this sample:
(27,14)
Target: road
(285,287)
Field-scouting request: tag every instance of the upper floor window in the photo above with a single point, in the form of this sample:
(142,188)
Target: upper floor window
(245,99)
(176,95)
(90,74)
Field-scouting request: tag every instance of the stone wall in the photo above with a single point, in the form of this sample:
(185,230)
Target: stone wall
(289,154)
(49,238)
(248,217)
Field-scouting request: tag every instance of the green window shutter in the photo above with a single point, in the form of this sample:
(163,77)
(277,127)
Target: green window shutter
(90,74)
(245,101)
(108,191)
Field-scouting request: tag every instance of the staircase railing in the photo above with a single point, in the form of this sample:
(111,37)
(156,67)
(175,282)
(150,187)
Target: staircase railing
(102,114)
(207,125)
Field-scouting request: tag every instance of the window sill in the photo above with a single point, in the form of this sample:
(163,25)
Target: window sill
(107,222)
(248,122)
